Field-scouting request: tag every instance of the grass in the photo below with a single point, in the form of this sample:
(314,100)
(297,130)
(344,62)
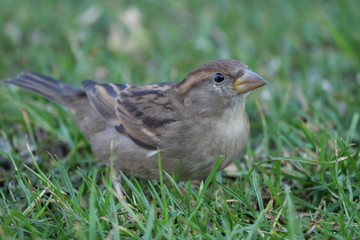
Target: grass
(298,177)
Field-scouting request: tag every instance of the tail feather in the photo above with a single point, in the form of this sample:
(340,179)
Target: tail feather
(48,87)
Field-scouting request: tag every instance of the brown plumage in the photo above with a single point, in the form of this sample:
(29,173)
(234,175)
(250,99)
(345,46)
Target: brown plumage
(191,123)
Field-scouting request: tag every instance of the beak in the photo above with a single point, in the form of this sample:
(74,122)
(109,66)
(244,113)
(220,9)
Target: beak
(249,81)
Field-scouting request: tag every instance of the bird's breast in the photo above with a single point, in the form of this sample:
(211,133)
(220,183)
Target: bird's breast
(206,139)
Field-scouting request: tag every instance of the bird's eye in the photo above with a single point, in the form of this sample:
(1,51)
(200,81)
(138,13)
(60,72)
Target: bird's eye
(219,78)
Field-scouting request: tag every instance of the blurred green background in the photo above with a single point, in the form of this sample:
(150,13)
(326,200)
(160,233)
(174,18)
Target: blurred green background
(309,51)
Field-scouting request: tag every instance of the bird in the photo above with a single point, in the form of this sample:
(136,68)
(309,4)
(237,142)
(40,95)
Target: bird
(189,124)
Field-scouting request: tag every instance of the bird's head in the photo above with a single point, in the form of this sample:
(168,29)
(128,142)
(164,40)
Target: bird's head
(217,85)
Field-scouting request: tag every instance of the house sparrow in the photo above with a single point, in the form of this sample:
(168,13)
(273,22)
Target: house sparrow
(191,123)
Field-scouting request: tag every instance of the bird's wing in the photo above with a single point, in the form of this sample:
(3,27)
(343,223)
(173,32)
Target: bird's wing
(134,110)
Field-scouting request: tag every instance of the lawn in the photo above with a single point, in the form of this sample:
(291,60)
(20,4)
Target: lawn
(297,178)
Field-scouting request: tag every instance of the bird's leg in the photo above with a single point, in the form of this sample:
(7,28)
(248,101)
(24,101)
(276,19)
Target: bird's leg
(117,183)
(187,194)
(121,197)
